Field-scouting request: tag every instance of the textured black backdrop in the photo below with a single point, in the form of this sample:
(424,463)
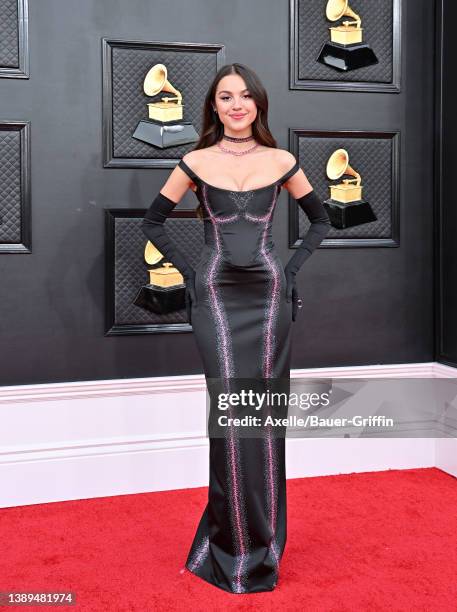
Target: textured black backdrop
(362,306)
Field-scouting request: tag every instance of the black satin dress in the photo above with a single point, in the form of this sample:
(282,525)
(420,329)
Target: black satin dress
(242,325)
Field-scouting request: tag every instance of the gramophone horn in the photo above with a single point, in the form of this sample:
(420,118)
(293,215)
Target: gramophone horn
(152,255)
(156,81)
(338,164)
(337,8)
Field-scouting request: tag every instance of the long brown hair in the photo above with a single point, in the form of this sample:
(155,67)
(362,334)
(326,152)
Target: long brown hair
(213,128)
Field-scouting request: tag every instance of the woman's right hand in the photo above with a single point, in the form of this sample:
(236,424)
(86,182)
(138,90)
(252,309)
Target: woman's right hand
(190,294)
(189,279)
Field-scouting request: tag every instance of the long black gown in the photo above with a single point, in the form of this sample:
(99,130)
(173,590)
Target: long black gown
(242,326)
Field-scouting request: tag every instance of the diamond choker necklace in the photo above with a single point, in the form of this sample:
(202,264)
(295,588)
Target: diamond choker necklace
(235,139)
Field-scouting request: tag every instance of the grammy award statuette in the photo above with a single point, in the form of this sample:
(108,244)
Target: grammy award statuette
(165,126)
(346,207)
(345,51)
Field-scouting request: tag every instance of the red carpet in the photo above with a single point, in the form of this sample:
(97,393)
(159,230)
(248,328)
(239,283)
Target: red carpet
(372,541)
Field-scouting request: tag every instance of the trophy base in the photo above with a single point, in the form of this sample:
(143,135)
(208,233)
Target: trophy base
(161,300)
(346,57)
(347,215)
(162,135)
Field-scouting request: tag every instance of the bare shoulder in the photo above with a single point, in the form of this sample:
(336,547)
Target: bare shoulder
(190,158)
(297,184)
(285,159)
(195,158)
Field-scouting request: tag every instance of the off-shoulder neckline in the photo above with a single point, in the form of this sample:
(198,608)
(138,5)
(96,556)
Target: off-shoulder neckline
(193,174)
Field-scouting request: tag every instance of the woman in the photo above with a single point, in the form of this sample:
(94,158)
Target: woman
(241,303)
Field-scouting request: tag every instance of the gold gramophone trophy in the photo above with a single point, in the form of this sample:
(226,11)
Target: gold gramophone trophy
(164,126)
(345,51)
(165,291)
(346,207)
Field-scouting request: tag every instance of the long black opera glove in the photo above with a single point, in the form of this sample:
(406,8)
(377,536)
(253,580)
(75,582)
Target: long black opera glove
(320,226)
(153,228)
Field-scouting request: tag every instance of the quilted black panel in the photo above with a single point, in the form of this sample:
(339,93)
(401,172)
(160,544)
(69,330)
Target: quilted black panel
(9,36)
(190,72)
(131,269)
(10,186)
(372,158)
(313,32)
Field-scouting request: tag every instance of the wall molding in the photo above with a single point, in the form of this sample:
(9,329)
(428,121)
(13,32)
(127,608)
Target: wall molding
(78,440)
(196,382)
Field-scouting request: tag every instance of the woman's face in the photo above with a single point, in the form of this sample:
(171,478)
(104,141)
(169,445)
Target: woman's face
(234,104)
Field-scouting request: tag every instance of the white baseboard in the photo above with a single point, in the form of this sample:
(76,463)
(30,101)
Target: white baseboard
(89,439)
